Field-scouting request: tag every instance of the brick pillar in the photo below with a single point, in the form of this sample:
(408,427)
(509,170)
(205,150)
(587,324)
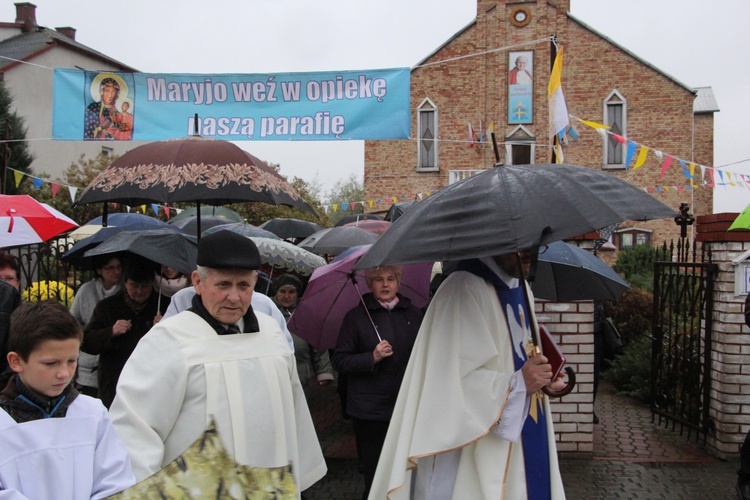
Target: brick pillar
(572,326)
(730,370)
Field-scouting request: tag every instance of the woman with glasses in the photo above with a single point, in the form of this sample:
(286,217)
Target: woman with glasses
(10,270)
(108,270)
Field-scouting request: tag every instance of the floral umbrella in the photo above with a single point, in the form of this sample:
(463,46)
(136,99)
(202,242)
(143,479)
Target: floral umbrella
(195,169)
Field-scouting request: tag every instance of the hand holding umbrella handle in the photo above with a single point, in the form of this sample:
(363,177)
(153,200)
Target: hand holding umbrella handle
(565,390)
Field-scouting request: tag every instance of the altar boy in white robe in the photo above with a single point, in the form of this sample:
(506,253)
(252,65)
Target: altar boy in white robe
(218,360)
(54,442)
(470,420)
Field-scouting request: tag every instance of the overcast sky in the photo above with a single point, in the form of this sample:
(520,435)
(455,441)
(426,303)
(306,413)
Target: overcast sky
(698,42)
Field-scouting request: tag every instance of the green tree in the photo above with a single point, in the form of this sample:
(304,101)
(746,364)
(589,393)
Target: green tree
(14,150)
(636,265)
(347,190)
(258,213)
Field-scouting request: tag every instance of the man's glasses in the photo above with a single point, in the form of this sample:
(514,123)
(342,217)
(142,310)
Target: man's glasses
(9,279)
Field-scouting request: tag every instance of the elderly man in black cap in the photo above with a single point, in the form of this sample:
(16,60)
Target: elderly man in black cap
(218,360)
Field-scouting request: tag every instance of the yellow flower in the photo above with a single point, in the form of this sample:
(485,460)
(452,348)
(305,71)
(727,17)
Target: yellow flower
(43,290)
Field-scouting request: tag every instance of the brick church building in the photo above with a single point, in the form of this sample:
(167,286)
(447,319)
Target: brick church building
(494,74)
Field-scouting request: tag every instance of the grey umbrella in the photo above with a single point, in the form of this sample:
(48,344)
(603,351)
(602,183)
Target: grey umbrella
(508,209)
(334,240)
(566,273)
(286,228)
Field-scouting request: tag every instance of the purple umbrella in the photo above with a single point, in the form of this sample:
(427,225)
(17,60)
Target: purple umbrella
(335,289)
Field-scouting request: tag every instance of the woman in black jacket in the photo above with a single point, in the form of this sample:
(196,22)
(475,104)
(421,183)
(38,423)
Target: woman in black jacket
(372,352)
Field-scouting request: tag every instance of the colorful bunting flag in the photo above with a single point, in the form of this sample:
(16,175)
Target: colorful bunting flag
(642,155)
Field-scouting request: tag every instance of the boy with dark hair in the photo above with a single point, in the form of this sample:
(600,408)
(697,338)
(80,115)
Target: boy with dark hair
(43,420)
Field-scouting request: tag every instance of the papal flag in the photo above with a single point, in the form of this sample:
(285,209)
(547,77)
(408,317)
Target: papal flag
(558,111)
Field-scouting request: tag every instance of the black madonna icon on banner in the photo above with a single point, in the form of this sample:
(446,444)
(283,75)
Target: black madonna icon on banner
(109,114)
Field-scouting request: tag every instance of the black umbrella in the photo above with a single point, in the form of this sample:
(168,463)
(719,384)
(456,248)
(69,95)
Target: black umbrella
(398,209)
(225,212)
(566,273)
(357,217)
(163,246)
(291,228)
(509,209)
(189,225)
(334,240)
(119,222)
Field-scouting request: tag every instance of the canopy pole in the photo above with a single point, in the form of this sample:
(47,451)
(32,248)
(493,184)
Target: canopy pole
(198,219)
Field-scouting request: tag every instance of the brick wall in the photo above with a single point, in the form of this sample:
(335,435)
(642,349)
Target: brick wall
(730,373)
(571,324)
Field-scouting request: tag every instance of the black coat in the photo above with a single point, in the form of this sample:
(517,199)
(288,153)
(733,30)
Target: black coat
(10,299)
(372,388)
(114,351)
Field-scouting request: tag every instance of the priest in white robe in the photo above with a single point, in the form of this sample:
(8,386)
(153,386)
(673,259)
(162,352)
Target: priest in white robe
(470,420)
(218,360)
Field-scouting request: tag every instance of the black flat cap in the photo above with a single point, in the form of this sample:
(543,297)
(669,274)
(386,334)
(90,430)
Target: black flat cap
(226,249)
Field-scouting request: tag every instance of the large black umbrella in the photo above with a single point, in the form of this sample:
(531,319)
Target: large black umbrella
(334,240)
(286,228)
(508,209)
(566,273)
(164,246)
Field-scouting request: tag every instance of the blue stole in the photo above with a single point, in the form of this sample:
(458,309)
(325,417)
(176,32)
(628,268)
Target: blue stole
(534,433)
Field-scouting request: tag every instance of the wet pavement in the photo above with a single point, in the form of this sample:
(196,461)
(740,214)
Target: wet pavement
(634,458)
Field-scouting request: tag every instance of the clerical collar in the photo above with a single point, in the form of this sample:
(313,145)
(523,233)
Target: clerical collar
(249,321)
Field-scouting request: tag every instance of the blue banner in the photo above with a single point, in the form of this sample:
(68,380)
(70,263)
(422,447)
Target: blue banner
(362,105)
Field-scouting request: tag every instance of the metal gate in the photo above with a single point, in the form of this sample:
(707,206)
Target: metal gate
(681,352)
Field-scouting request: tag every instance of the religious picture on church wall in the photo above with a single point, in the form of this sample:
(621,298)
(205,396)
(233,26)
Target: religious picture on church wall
(520,87)
(109,113)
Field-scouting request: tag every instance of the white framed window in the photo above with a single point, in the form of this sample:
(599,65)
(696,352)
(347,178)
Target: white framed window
(427,125)
(616,116)
(520,147)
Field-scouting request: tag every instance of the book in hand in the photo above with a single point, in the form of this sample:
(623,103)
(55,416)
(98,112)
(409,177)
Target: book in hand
(551,351)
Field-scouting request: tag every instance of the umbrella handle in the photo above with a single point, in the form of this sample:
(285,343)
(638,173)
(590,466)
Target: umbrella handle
(565,390)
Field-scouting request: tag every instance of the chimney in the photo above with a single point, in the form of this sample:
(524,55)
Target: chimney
(26,15)
(67,31)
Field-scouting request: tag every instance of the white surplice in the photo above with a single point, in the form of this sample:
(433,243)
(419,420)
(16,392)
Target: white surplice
(455,390)
(77,456)
(182,374)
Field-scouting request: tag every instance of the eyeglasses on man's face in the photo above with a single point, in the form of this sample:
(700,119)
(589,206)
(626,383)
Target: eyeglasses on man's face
(9,279)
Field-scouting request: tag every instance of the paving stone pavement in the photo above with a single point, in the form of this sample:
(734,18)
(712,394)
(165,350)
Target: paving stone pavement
(634,458)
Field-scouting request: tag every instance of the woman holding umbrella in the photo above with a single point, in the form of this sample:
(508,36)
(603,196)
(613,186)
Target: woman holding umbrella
(108,269)
(372,352)
(310,362)
(119,322)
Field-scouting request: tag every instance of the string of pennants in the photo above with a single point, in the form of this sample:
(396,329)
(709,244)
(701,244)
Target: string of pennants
(38,183)
(636,154)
